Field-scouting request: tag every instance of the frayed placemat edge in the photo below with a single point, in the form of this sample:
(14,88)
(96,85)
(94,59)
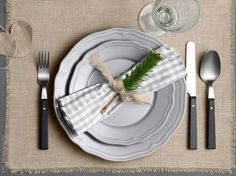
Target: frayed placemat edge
(5,145)
(122,170)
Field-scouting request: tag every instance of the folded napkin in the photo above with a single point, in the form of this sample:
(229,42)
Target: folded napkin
(82,109)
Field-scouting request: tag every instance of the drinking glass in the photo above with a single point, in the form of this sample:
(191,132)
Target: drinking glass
(163,16)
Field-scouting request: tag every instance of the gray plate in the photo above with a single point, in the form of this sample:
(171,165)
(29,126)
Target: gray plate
(131,123)
(88,143)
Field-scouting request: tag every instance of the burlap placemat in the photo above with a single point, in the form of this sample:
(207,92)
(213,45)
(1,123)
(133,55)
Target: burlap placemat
(57,26)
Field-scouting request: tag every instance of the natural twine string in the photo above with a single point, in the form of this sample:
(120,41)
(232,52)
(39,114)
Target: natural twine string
(117,86)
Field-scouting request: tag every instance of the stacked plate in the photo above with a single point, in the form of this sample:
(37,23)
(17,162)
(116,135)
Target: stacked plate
(133,130)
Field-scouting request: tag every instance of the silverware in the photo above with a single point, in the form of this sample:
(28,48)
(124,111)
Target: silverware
(209,72)
(43,79)
(191,89)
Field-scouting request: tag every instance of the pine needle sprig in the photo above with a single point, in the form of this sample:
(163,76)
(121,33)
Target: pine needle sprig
(133,80)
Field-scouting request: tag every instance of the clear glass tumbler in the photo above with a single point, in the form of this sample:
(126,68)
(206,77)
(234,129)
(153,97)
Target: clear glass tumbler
(163,16)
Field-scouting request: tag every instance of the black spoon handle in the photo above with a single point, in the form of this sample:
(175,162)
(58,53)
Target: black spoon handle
(211,137)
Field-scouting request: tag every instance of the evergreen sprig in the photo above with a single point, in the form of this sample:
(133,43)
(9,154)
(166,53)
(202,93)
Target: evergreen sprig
(133,80)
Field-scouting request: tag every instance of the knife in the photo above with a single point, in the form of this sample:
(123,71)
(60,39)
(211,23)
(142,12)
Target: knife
(191,90)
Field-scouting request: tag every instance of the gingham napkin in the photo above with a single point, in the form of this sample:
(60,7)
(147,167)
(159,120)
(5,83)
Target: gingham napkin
(82,109)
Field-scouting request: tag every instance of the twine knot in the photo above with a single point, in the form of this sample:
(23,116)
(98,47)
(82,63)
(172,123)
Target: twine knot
(117,85)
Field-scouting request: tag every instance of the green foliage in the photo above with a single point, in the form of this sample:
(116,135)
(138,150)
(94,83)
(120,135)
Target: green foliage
(133,80)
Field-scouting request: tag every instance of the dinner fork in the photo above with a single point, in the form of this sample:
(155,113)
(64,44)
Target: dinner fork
(43,79)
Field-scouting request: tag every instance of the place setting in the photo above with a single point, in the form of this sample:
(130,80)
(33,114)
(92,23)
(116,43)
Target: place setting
(151,91)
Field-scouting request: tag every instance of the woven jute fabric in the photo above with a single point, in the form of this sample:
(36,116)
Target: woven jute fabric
(60,24)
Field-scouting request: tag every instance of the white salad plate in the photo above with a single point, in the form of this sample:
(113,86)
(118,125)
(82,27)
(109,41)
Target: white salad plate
(86,141)
(130,123)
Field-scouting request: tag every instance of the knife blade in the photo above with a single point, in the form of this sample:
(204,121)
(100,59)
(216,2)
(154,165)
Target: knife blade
(191,90)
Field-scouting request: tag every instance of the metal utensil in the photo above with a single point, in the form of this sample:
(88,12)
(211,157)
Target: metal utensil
(43,79)
(191,89)
(209,72)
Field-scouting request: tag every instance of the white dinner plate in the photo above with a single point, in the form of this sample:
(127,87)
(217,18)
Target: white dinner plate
(86,141)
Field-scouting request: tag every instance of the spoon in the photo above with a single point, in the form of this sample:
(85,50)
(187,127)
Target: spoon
(209,72)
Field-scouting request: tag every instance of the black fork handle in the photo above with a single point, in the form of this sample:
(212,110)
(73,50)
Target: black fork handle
(44,125)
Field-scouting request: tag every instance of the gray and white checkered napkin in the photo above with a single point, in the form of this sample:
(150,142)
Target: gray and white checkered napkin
(82,109)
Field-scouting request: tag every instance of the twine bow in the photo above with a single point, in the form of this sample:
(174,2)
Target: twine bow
(117,86)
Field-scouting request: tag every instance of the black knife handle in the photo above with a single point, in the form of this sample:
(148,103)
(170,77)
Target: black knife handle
(211,137)
(44,125)
(192,123)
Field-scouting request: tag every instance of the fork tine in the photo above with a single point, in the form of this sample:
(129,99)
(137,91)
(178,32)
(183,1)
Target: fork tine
(44,59)
(48,60)
(39,61)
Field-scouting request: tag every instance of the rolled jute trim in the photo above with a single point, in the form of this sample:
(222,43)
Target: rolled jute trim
(16,43)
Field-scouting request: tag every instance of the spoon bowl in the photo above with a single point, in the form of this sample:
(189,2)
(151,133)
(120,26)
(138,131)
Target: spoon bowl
(210,67)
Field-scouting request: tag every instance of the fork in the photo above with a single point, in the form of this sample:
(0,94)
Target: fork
(43,79)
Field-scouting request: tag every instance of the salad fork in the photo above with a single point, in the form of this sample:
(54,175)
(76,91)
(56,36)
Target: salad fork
(43,79)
